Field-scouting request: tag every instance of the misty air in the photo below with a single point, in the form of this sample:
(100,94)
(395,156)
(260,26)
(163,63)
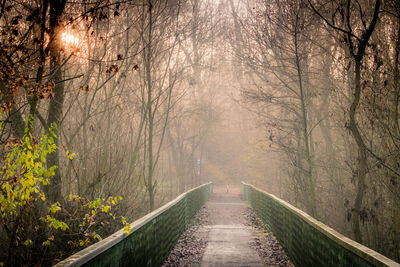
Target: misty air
(199,133)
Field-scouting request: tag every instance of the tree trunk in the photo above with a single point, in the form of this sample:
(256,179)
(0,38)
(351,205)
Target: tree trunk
(53,191)
(149,113)
(396,79)
(362,154)
(306,136)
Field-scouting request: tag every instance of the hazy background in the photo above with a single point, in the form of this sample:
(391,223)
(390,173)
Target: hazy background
(299,98)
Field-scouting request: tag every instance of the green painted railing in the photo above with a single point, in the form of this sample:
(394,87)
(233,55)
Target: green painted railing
(151,239)
(309,242)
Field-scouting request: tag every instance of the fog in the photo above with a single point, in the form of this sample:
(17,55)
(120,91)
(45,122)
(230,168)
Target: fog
(148,99)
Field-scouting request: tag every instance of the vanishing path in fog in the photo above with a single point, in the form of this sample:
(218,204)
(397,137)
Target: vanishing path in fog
(229,239)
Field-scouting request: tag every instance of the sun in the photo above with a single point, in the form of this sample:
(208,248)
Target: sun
(72,42)
(69,40)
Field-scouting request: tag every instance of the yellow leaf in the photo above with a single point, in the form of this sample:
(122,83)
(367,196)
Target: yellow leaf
(127,229)
(55,207)
(28,242)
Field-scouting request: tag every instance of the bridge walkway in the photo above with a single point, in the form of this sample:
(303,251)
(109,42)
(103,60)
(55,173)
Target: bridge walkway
(229,238)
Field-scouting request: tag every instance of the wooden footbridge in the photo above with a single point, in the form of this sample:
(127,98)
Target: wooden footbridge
(306,241)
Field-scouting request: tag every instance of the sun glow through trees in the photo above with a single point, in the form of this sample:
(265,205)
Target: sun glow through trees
(69,40)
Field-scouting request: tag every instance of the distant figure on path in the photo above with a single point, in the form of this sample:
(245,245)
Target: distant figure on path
(227,188)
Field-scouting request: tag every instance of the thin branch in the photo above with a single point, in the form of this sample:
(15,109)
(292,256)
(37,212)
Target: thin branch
(68,79)
(330,24)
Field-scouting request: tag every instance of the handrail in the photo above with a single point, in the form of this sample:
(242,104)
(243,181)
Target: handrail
(317,243)
(186,205)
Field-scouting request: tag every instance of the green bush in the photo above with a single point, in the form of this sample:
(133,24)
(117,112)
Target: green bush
(34,231)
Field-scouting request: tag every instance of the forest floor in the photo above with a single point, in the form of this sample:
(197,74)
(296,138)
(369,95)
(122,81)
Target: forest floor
(226,232)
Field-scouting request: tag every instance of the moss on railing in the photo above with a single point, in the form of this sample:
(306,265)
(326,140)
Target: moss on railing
(307,241)
(151,239)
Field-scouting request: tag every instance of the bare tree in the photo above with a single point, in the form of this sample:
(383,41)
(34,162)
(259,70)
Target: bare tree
(356,43)
(277,53)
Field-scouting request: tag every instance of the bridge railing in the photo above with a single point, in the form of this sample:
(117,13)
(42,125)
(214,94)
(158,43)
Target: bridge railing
(307,241)
(151,239)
